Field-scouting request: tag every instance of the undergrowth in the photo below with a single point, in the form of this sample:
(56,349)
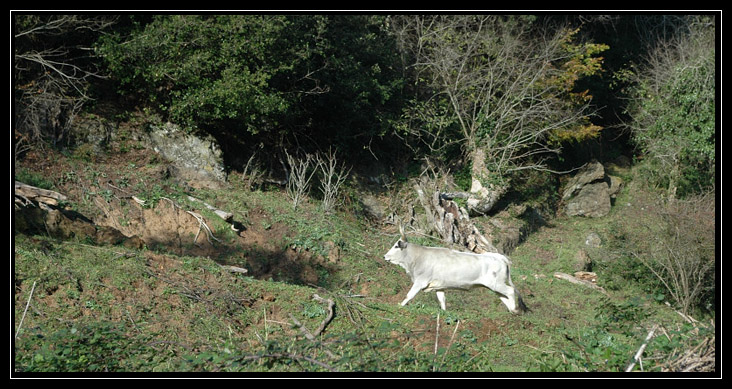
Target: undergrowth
(119,309)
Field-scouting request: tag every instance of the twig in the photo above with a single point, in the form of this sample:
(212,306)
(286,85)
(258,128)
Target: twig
(437,338)
(642,348)
(226,216)
(323,324)
(437,332)
(302,328)
(327,320)
(201,223)
(26,309)
(688,318)
(452,337)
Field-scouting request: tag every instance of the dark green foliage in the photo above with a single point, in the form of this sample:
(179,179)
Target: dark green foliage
(673,111)
(312,78)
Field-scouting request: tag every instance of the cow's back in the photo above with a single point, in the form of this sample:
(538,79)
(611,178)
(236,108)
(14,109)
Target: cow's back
(442,268)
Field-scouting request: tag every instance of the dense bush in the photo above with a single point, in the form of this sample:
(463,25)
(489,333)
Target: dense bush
(317,78)
(669,249)
(673,111)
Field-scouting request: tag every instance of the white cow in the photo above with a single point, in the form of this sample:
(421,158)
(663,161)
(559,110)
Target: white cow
(438,269)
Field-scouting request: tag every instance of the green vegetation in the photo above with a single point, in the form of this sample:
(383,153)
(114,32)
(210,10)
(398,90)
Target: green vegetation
(674,112)
(507,100)
(116,309)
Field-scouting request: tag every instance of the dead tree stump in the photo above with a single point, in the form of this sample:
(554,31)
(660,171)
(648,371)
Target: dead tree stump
(451,222)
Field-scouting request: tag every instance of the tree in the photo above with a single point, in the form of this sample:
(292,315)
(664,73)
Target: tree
(202,69)
(54,64)
(288,80)
(672,109)
(500,87)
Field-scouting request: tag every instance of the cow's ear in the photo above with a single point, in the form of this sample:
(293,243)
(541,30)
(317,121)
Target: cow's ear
(402,244)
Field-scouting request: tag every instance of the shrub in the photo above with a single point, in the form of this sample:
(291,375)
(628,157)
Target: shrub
(682,254)
(673,111)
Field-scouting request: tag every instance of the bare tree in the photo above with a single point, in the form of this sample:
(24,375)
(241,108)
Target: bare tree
(51,55)
(504,88)
(681,254)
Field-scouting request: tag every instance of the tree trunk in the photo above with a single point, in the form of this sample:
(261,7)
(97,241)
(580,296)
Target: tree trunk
(483,198)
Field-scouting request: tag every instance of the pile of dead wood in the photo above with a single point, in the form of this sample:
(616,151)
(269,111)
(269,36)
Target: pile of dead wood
(450,221)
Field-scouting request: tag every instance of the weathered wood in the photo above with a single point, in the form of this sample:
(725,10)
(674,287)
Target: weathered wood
(636,357)
(452,222)
(574,280)
(226,216)
(28,192)
(234,269)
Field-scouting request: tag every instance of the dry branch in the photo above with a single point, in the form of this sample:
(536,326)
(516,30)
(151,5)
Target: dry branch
(226,216)
(574,280)
(636,357)
(701,358)
(234,269)
(26,309)
(327,320)
(309,335)
(201,223)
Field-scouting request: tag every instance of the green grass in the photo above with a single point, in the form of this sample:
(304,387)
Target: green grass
(117,309)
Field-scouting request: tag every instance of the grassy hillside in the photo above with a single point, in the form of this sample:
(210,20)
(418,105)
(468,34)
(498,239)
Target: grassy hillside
(170,305)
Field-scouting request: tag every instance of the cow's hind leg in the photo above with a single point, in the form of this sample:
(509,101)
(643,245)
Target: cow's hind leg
(441,299)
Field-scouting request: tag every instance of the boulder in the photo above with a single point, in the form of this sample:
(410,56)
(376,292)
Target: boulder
(590,191)
(593,200)
(197,160)
(593,171)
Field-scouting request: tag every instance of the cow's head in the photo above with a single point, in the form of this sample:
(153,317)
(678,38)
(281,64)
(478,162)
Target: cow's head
(397,253)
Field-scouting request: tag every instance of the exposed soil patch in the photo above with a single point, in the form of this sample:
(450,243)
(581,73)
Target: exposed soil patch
(105,212)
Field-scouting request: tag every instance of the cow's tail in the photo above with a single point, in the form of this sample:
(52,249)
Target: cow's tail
(520,305)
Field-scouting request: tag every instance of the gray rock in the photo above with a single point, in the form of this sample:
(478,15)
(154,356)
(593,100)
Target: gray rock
(198,160)
(593,240)
(593,200)
(372,208)
(615,185)
(590,191)
(593,171)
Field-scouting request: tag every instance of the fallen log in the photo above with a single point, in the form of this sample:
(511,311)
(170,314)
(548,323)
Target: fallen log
(28,192)
(574,280)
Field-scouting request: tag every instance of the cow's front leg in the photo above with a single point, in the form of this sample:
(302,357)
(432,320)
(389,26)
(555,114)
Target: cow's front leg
(412,292)
(441,299)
